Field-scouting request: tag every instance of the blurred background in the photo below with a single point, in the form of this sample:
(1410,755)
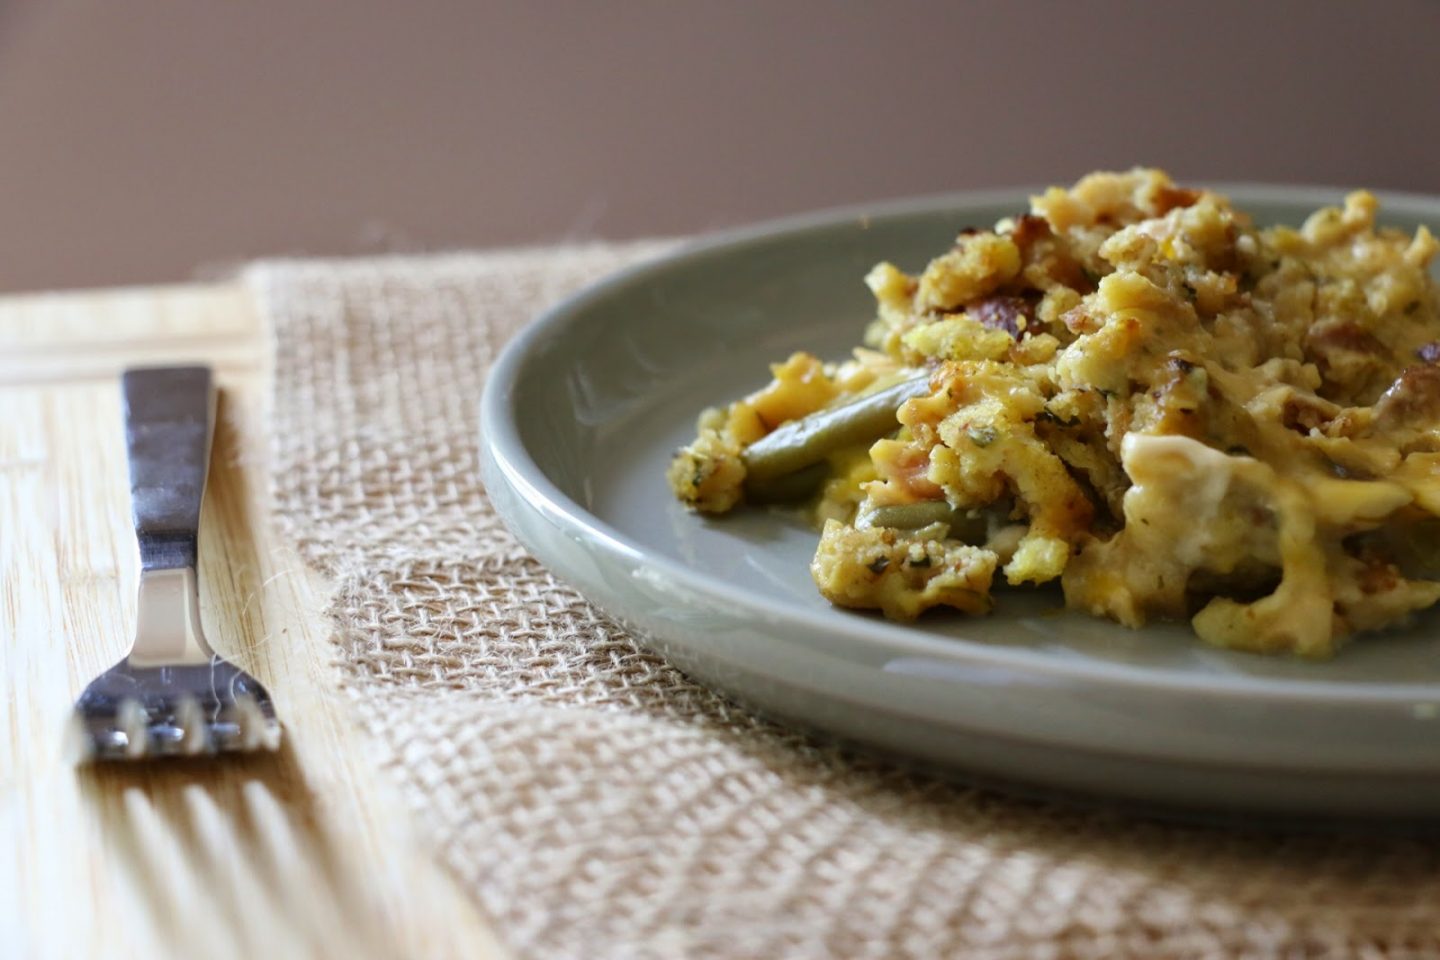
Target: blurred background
(155,140)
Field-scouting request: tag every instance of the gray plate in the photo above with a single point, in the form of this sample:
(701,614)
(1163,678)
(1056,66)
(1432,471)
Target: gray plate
(580,417)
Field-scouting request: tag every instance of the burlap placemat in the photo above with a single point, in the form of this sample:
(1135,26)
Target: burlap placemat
(600,805)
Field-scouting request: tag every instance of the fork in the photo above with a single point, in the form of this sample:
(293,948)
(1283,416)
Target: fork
(172,695)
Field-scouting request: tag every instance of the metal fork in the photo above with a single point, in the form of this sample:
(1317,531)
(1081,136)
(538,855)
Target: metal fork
(172,695)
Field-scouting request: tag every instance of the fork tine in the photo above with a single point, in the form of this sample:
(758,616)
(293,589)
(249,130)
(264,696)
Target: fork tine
(131,712)
(132,721)
(258,731)
(195,733)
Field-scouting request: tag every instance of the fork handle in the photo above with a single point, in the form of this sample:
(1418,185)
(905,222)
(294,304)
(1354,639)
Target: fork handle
(169,420)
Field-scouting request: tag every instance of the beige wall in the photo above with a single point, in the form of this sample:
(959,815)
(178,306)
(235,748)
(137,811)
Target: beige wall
(141,138)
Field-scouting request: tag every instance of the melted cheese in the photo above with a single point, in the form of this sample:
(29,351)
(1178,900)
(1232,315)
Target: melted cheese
(1174,413)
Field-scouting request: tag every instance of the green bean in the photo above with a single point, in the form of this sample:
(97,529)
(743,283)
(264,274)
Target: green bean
(809,440)
(964,525)
(788,487)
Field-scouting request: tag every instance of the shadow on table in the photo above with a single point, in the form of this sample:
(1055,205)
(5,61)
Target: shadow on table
(214,847)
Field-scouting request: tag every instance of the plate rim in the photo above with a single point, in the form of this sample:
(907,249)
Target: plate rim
(501,440)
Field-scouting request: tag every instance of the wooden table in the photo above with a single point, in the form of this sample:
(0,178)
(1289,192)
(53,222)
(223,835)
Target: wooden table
(303,853)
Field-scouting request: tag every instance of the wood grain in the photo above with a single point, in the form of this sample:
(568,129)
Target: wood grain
(303,853)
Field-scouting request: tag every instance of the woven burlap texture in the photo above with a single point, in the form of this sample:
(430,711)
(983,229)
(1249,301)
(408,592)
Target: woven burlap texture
(599,804)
